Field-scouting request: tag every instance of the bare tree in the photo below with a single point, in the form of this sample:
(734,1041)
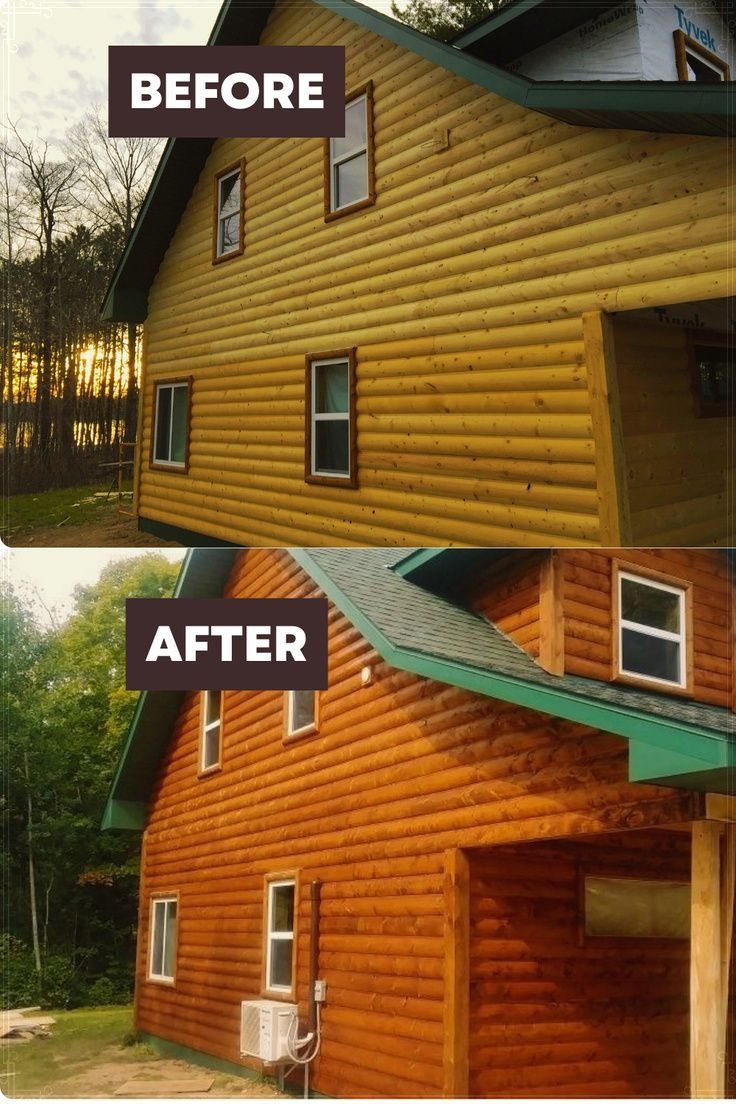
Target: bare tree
(116,172)
(47,193)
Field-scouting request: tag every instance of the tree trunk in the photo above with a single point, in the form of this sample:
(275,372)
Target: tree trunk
(131,397)
(31,869)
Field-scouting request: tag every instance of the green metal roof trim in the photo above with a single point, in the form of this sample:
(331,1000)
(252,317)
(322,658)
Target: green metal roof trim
(668,106)
(203,574)
(672,741)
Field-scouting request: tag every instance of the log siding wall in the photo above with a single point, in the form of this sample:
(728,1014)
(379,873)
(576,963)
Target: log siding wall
(462,289)
(399,772)
(554,1014)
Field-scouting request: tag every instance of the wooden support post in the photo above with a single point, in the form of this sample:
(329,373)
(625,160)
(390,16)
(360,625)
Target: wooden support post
(707,1060)
(728,884)
(605,413)
(457,974)
(551,621)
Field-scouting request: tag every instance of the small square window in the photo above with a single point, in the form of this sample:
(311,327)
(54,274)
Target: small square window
(162,956)
(349,161)
(229,213)
(651,630)
(170,441)
(301,712)
(712,367)
(280,922)
(211,734)
(636,909)
(331,419)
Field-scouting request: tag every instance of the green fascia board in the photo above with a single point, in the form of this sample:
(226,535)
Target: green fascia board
(203,574)
(416,560)
(507,14)
(641,105)
(674,769)
(125,814)
(658,732)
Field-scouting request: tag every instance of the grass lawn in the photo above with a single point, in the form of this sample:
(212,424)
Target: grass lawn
(77,1039)
(85,1057)
(66,507)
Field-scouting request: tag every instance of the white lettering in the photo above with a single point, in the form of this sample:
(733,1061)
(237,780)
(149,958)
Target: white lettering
(228,95)
(310,90)
(290,640)
(277,87)
(192,642)
(144,91)
(203,89)
(177,90)
(227,633)
(257,643)
(163,646)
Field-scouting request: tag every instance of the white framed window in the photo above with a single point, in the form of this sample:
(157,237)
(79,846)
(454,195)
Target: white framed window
(162,952)
(228,239)
(211,733)
(634,908)
(350,170)
(651,630)
(171,424)
(280,914)
(331,418)
(301,712)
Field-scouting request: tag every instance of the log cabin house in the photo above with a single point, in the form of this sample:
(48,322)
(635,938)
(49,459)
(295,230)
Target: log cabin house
(502,837)
(496,313)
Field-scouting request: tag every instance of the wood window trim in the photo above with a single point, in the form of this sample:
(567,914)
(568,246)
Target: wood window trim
(713,340)
(159,465)
(584,870)
(683,43)
(300,733)
(279,994)
(217,258)
(162,895)
(642,681)
(349,482)
(330,215)
(214,768)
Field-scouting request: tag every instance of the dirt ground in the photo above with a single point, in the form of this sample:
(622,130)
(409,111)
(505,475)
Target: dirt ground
(109,1072)
(111,530)
(92,1053)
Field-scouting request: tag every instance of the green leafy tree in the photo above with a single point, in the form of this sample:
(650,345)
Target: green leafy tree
(443,19)
(72,889)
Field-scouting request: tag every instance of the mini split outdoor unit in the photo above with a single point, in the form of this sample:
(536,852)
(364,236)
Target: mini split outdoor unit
(264,1027)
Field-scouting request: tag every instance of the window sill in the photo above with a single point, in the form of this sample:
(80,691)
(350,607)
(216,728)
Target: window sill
(360,205)
(349,482)
(170,983)
(641,682)
(228,256)
(279,995)
(175,469)
(300,734)
(205,772)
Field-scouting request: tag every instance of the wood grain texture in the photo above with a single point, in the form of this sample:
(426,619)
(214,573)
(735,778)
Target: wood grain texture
(463,288)
(400,772)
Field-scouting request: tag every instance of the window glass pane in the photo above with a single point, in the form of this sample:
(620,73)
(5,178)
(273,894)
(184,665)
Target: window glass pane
(714,376)
(211,748)
(170,946)
(179,434)
(647,605)
(229,214)
(332,447)
(642,654)
(159,925)
(698,69)
(302,709)
(355,129)
(163,422)
(281,963)
(212,713)
(638,909)
(282,908)
(331,388)
(351,181)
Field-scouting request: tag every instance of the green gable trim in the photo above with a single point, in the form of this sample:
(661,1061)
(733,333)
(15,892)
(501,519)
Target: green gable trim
(416,560)
(670,768)
(125,814)
(658,732)
(668,106)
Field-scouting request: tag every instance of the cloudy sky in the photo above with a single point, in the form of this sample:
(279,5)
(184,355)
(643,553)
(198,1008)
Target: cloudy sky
(47,576)
(56,50)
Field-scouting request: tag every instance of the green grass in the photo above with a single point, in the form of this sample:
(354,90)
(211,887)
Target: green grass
(70,505)
(77,1040)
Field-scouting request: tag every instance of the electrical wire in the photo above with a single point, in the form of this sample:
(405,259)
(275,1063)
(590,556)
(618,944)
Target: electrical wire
(295,1044)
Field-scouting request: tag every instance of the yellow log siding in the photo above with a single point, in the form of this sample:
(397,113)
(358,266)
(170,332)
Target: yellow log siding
(463,290)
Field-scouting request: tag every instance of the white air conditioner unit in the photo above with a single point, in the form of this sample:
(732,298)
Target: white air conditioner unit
(264,1026)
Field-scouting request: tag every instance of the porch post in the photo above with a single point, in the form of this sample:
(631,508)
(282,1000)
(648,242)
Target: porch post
(456,974)
(708,987)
